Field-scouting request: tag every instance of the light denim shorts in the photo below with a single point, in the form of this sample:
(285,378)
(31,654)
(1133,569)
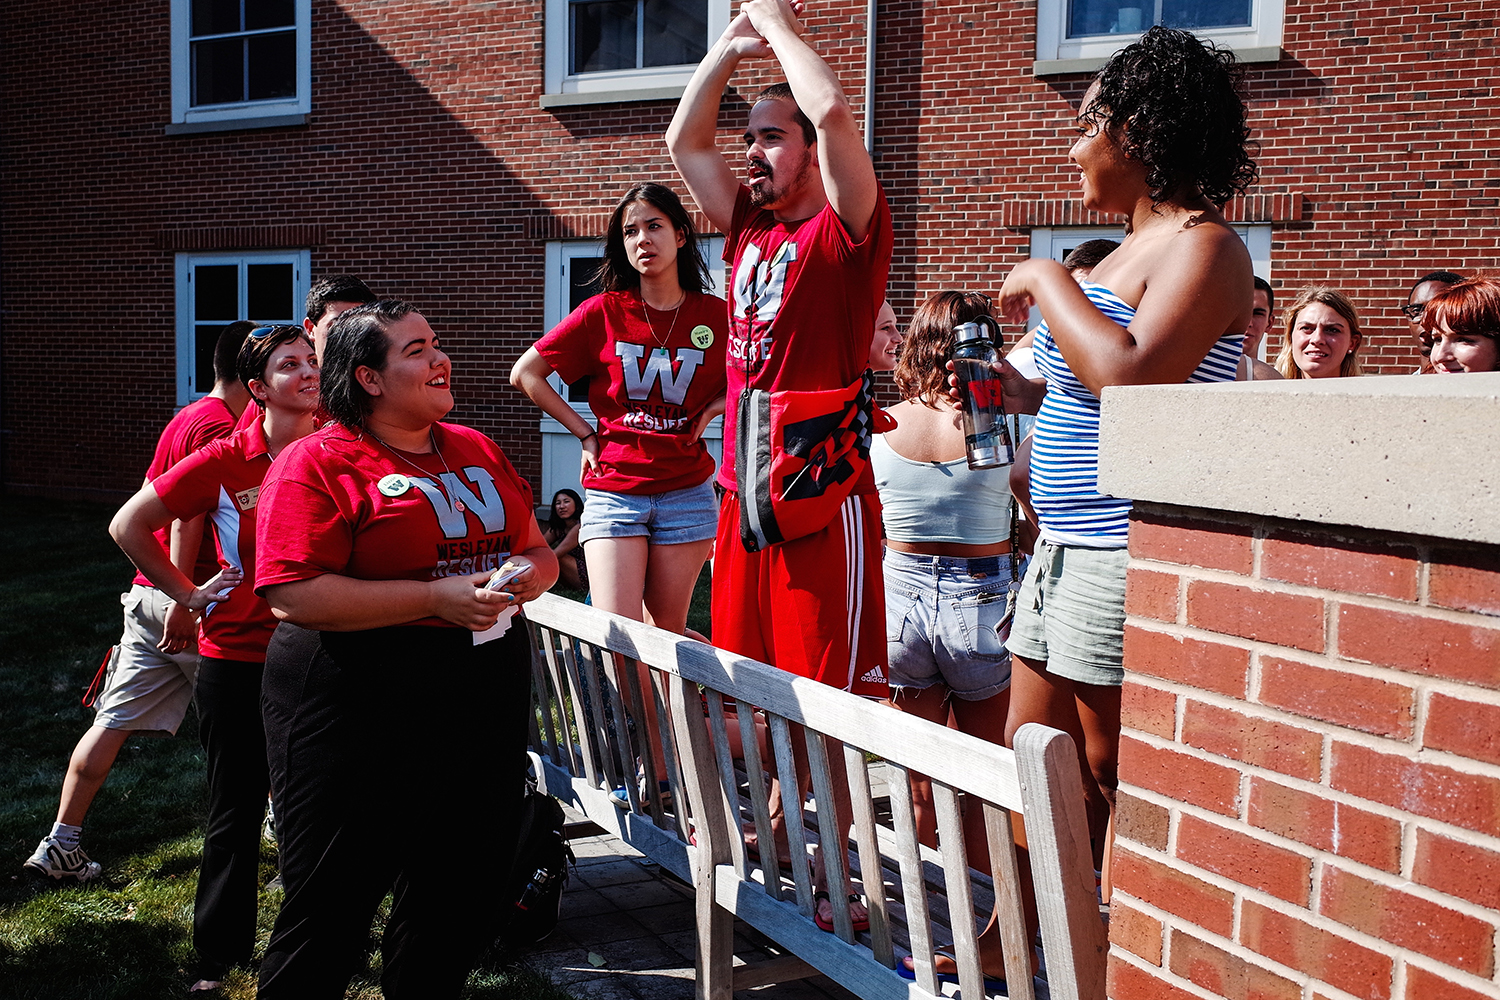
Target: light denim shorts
(1071,614)
(673,518)
(946,621)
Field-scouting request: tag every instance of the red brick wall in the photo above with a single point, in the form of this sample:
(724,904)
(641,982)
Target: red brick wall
(1309,763)
(429,168)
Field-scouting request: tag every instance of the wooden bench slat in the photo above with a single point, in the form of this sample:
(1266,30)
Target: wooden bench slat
(791,803)
(1062,866)
(585,728)
(868,849)
(760,804)
(950,823)
(1008,903)
(719,732)
(914,900)
(559,687)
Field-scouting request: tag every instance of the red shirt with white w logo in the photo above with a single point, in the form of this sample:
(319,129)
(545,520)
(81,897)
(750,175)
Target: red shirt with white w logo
(341,502)
(649,382)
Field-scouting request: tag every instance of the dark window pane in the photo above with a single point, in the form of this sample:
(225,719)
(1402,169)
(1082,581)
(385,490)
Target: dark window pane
(271,295)
(216,293)
(215,17)
(273,66)
(603,36)
(218,72)
(270,14)
(205,338)
(1205,13)
(676,32)
(581,286)
(1109,17)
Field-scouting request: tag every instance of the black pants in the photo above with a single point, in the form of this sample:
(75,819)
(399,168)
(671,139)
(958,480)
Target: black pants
(397,763)
(228,701)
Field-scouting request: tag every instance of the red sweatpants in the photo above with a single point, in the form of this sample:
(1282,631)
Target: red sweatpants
(814,606)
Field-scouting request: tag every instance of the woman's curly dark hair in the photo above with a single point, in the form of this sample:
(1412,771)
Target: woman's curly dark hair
(1176,101)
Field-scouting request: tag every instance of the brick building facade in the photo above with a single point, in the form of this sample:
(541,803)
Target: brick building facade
(436,151)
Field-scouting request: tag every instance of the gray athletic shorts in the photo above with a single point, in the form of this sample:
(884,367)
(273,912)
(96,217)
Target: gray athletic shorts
(1071,613)
(144,688)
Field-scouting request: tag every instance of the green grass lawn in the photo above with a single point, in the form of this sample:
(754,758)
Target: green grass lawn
(129,934)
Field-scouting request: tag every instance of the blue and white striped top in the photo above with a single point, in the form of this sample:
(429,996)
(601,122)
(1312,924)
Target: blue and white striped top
(1065,444)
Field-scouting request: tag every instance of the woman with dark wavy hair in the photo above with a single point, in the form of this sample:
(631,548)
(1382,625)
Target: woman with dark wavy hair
(1161,140)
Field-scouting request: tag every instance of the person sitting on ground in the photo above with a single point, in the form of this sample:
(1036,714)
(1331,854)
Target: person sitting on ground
(1322,336)
(1421,293)
(148,679)
(1264,308)
(948,556)
(280,368)
(1463,324)
(561,532)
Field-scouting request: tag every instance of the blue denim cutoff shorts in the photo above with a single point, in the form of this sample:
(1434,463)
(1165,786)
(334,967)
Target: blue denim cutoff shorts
(946,622)
(1071,613)
(672,518)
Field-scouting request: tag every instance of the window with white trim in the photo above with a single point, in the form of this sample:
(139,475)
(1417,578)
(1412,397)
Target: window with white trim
(1079,35)
(1058,243)
(600,51)
(240,63)
(214,290)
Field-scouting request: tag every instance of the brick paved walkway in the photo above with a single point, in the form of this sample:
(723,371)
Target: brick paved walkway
(628,913)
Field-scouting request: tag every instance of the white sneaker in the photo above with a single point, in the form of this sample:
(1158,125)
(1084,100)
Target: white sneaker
(54,861)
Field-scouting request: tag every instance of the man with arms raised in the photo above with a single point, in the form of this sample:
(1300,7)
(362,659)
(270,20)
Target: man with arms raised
(810,240)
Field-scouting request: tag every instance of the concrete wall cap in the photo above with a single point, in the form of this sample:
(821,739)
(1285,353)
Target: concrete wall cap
(1393,453)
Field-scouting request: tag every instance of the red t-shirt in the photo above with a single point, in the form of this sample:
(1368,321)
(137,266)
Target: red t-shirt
(803,306)
(648,385)
(339,501)
(223,479)
(194,426)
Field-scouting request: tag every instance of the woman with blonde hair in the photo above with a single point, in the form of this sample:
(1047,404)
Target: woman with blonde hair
(1322,336)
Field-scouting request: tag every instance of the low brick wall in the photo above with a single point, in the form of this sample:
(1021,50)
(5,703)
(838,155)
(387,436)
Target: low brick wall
(1310,763)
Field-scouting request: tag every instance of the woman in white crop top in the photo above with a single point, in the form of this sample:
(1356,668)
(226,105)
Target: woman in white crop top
(948,561)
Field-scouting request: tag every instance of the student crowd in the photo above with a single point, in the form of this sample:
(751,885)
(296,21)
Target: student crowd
(352,650)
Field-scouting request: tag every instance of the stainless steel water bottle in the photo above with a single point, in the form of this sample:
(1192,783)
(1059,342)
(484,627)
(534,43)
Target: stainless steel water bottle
(986,438)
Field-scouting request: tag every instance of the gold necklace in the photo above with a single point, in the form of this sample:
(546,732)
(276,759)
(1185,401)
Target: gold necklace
(458,504)
(661,342)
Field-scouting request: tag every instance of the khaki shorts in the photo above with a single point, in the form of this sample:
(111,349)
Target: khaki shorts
(144,688)
(1070,615)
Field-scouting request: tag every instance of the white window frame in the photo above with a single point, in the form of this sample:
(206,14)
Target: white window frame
(246,114)
(561,451)
(1056,53)
(300,260)
(561,88)
(1054,244)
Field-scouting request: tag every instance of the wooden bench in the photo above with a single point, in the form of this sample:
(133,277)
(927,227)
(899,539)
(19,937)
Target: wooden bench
(591,728)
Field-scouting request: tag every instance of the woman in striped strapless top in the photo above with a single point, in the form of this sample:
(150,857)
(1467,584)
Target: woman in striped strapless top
(1162,140)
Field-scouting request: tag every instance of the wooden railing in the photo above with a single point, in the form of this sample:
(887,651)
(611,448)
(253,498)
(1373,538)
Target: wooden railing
(596,711)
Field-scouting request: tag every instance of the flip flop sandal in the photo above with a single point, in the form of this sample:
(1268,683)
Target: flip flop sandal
(860,925)
(991,986)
